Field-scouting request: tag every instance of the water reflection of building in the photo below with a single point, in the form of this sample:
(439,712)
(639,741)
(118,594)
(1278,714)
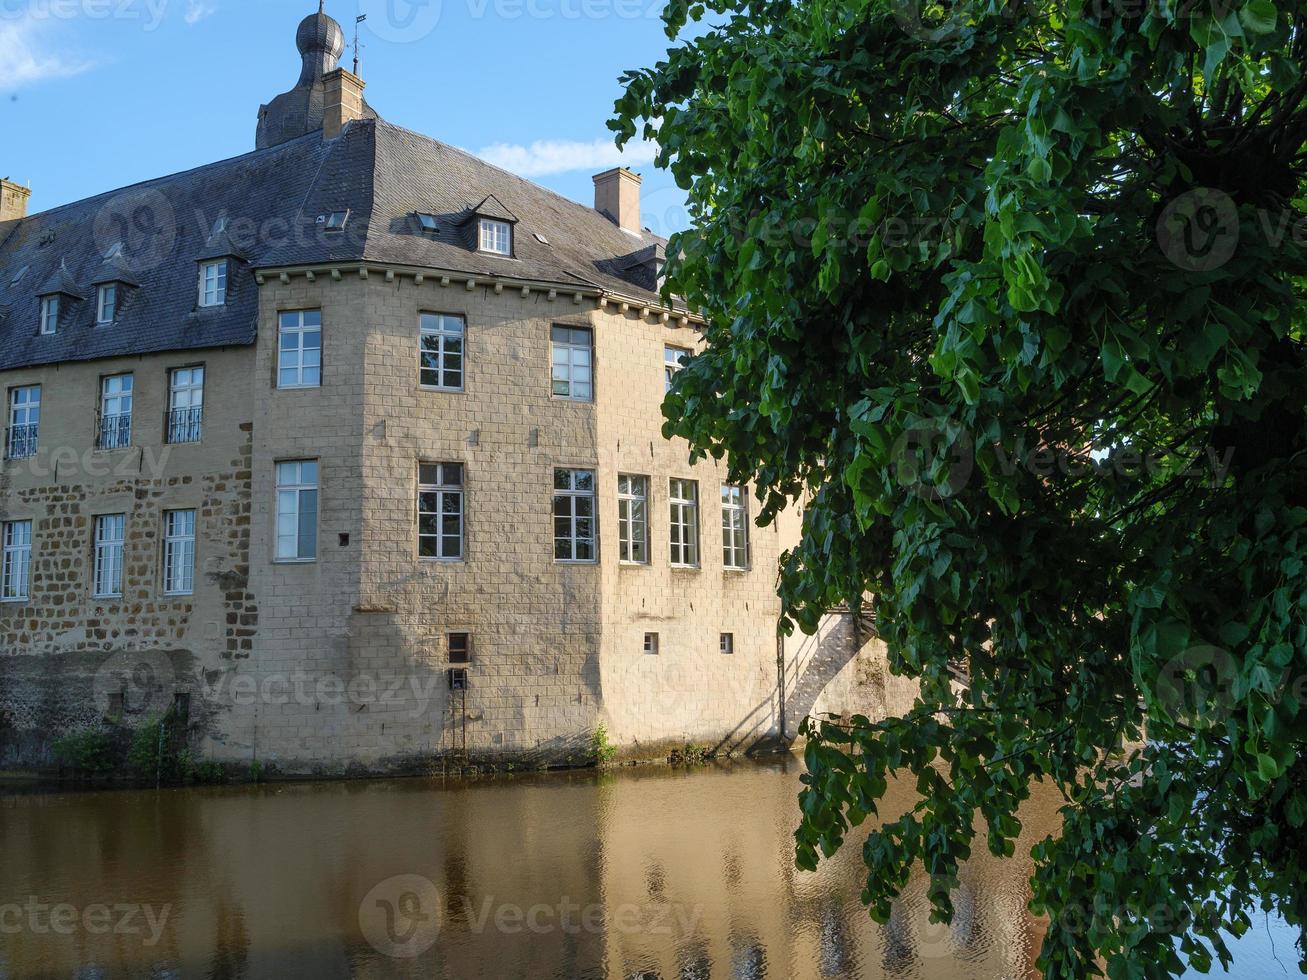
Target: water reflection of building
(691,877)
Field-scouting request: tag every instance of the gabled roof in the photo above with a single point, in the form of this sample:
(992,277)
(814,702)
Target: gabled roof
(114,269)
(272,197)
(492,207)
(60,283)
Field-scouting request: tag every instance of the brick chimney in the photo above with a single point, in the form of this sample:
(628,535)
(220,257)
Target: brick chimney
(344,101)
(13,200)
(617,196)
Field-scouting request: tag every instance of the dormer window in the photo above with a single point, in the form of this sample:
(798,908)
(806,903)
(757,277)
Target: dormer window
(49,315)
(106,304)
(496,237)
(428,223)
(213,283)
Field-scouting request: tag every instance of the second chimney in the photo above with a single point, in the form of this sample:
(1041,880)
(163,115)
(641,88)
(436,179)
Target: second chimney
(344,102)
(617,196)
(13,200)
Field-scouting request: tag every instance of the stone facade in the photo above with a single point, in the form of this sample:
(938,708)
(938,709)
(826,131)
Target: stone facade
(340,664)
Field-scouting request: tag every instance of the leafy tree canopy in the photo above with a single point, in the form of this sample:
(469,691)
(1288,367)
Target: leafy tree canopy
(1010,294)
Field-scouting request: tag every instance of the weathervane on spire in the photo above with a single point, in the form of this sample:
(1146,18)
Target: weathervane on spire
(357,20)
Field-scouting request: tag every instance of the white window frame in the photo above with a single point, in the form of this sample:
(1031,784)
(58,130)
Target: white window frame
(633,519)
(571,500)
(213,283)
(179,552)
(49,315)
(495,237)
(306,359)
(30,410)
(107,568)
(570,360)
(683,498)
(672,363)
(124,395)
(443,331)
(449,486)
(16,564)
(735,528)
(106,304)
(295,485)
(186,396)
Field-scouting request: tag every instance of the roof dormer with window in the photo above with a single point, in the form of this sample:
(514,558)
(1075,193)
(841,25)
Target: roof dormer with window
(55,299)
(490,228)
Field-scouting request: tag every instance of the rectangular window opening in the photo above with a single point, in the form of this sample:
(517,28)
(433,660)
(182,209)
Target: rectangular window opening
(107,573)
(179,552)
(297,510)
(633,519)
(24,427)
(735,528)
(573,363)
(460,648)
(440,511)
(684,523)
(185,405)
(114,430)
(651,644)
(213,284)
(575,518)
(441,352)
(16,564)
(299,349)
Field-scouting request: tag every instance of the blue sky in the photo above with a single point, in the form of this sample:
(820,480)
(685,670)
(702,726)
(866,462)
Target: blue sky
(100,94)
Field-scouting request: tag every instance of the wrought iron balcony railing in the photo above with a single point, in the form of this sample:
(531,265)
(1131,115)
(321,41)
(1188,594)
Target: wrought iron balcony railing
(184,425)
(114,431)
(20,441)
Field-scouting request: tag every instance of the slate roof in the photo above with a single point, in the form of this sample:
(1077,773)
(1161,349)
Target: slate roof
(272,199)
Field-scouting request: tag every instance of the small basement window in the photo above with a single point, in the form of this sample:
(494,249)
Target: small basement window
(496,237)
(460,648)
(651,643)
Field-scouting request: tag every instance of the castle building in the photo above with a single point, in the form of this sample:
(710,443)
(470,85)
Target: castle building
(348,451)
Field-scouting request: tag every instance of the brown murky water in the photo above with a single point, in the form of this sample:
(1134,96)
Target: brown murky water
(639,874)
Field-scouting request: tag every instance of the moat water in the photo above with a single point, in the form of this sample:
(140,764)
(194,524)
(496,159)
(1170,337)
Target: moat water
(639,874)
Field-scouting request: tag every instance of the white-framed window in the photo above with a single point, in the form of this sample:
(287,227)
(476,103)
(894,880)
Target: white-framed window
(633,519)
(297,510)
(179,552)
(685,523)
(24,422)
(652,642)
(674,359)
(16,566)
(727,644)
(213,283)
(440,358)
(496,237)
(573,362)
(299,349)
(49,314)
(440,511)
(107,574)
(115,428)
(185,404)
(106,303)
(575,523)
(735,528)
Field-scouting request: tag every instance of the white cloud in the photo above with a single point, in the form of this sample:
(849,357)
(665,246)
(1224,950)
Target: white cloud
(198,10)
(25,59)
(545,157)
